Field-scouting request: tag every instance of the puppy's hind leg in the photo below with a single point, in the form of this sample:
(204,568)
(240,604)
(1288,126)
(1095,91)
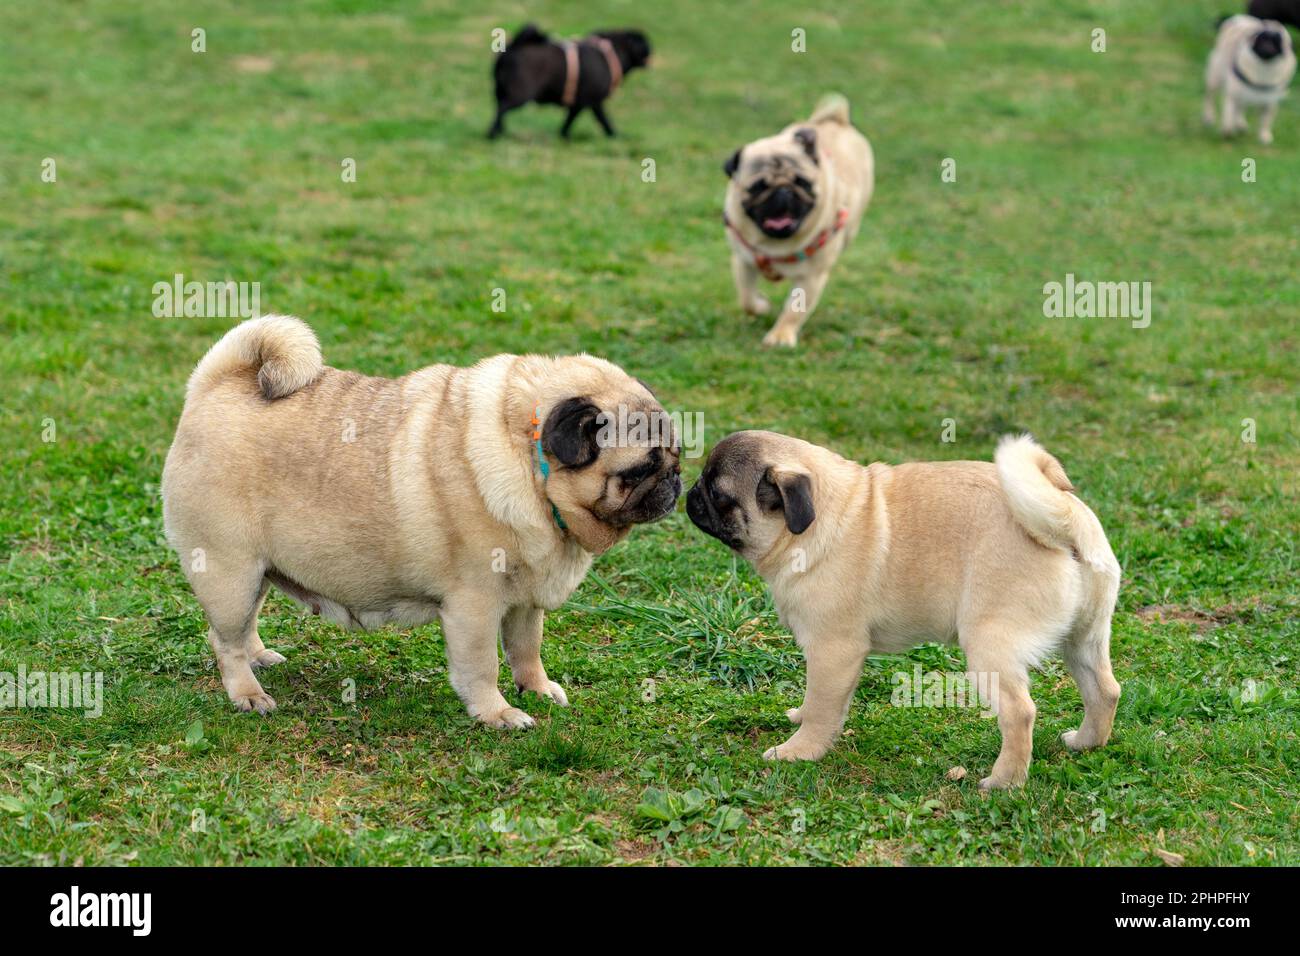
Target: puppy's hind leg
(231,589)
(1087,655)
(993,664)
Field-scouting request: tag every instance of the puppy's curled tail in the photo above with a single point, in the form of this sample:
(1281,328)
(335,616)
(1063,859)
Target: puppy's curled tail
(528,33)
(833,108)
(1041,500)
(281,350)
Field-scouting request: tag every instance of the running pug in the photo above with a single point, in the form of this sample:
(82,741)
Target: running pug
(1001,558)
(794,201)
(1252,64)
(377,500)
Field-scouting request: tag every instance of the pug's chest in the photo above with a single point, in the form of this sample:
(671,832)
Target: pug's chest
(548,584)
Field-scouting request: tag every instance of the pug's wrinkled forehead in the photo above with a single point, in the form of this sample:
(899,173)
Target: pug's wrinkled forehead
(737,463)
(777,157)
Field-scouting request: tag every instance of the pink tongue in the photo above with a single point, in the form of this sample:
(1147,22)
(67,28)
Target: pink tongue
(779,223)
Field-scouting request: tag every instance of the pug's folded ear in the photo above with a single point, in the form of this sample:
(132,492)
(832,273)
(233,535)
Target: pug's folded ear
(806,137)
(789,492)
(731,165)
(570,432)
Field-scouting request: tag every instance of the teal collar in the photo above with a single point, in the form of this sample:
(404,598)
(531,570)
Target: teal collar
(545,468)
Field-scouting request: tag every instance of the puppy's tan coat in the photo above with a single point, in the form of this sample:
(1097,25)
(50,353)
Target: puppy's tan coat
(821,174)
(1001,558)
(375,500)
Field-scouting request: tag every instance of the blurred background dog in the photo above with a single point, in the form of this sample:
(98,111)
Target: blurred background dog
(575,74)
(1252,64)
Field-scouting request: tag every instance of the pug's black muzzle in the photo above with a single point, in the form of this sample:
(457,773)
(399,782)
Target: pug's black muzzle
(700,509)
(653,504)
(1267,45)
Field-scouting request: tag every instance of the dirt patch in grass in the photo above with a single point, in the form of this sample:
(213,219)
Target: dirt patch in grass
(1201,619)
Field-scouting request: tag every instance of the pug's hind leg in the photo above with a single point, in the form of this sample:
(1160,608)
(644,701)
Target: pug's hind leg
(469,625)
(992,663)
(521,633)
(798,307)
(599,110)
(745,275)
(834,668)
(259,655)
(231,591)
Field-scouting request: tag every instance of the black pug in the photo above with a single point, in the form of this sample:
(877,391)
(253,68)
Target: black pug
(535,68)
(1285,11)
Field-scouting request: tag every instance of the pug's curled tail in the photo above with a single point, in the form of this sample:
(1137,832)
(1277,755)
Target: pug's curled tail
(833,108)
(528,33)
(280,350)
(1042,502)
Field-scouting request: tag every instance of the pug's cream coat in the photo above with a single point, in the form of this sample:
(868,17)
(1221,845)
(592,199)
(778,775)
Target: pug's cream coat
(837,161)
(1001,558)
(375,501)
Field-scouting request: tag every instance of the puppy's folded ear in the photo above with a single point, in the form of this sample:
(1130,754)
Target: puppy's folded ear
(570,432)
(791,492)
(731,165)
(806,137)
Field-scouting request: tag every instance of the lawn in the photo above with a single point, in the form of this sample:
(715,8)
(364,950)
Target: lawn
(226,165)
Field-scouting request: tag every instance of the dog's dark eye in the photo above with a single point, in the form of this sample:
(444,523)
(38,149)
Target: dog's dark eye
(802,183)
(634,476)
(757,186)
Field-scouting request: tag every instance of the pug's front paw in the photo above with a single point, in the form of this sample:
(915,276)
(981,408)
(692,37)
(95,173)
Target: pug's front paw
(508,718)
(796,749)
(757,305)
(548,689)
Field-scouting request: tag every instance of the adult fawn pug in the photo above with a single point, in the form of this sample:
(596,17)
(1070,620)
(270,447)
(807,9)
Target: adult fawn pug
(477,496)
(1252,64)
(794,202)
(1001,558)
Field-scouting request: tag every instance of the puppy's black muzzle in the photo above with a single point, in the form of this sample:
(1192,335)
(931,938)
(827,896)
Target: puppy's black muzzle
(700,509)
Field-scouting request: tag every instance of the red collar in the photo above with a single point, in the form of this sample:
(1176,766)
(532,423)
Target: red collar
(767,264)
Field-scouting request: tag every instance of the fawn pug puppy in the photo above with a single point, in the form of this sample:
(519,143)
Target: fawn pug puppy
(477,496)
(1252,64)
(794,202)
(1001,558)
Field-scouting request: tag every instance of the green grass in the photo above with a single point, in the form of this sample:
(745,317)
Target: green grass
(226,165)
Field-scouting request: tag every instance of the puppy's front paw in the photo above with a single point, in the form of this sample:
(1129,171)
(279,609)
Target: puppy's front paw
(267,658)
(996,781)
(508,718)
(796,749)
(548,689)
(781,337)
(260,701)
(757,305)
(1266,137)
(794,714)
